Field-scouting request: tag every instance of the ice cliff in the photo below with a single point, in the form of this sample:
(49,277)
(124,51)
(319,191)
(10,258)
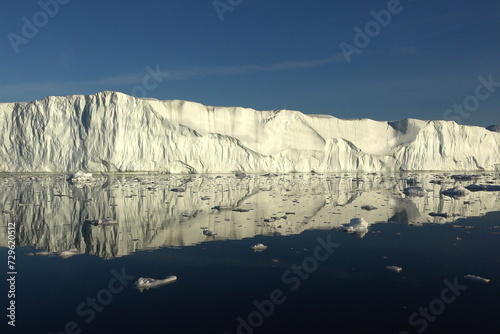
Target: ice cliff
(111,131)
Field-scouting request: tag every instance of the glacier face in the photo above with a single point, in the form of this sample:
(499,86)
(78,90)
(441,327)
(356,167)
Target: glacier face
(111,131)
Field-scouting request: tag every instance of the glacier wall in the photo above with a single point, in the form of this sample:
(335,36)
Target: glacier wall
(111,131)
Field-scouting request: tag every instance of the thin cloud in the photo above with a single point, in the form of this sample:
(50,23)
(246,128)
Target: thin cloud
(136,78)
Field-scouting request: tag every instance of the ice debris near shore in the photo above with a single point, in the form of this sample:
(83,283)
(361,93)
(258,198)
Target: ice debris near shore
(63,254)
(93,133)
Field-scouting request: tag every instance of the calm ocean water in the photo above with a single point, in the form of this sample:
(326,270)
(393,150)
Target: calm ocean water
(312,278)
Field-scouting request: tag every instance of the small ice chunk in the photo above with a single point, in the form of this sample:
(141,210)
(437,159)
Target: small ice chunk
(209,233)
(356,225)
(148,283)
(369,207)
(415,191)
(395,268)
(477,278)
(258,247)
(81,177)
(456,191)
(240,175)
(100,222)
(67,253)
(222,207)
(44,253)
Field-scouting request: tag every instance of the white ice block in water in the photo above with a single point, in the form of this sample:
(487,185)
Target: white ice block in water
(395,268)
(259,247)
(358,226)
(456,191)
(81,177)
(144,283)
(477,279)
(415,191)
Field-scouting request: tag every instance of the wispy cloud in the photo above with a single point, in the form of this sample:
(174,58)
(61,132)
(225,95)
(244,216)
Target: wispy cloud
(184,73)
(133,78)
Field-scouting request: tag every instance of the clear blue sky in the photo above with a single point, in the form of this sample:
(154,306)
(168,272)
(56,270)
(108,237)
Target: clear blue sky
(264,55)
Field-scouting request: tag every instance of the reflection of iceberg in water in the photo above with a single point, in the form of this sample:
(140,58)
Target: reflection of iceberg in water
(50,212)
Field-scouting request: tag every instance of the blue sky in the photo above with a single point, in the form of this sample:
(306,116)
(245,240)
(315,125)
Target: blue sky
(263,54)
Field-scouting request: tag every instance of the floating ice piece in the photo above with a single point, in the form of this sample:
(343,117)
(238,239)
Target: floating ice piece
(482,187)
(44,253)
(444,214)
(67,253)
(144,283)
(456,191)
(464,177)
(258,247)
(241,210)
(222,207)
(81,177)
(477,278)
(395,268)
(415,191)
(100,222)
(356,225)
(209,233)
(240,175)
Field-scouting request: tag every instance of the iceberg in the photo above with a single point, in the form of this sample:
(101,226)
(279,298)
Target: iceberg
(115,132)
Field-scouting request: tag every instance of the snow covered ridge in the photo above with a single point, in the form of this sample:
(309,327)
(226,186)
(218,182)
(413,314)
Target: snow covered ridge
(111,131)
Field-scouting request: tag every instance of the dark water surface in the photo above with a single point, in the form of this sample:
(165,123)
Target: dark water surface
(324,280)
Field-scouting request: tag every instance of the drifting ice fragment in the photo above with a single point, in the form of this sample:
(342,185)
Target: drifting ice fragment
(209,233)
(477,278)
(81,177)
(395,268)
(100,222)
(456,191)
(415,191)
(369,207)
(356,225)
(259,247)
(144,283)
